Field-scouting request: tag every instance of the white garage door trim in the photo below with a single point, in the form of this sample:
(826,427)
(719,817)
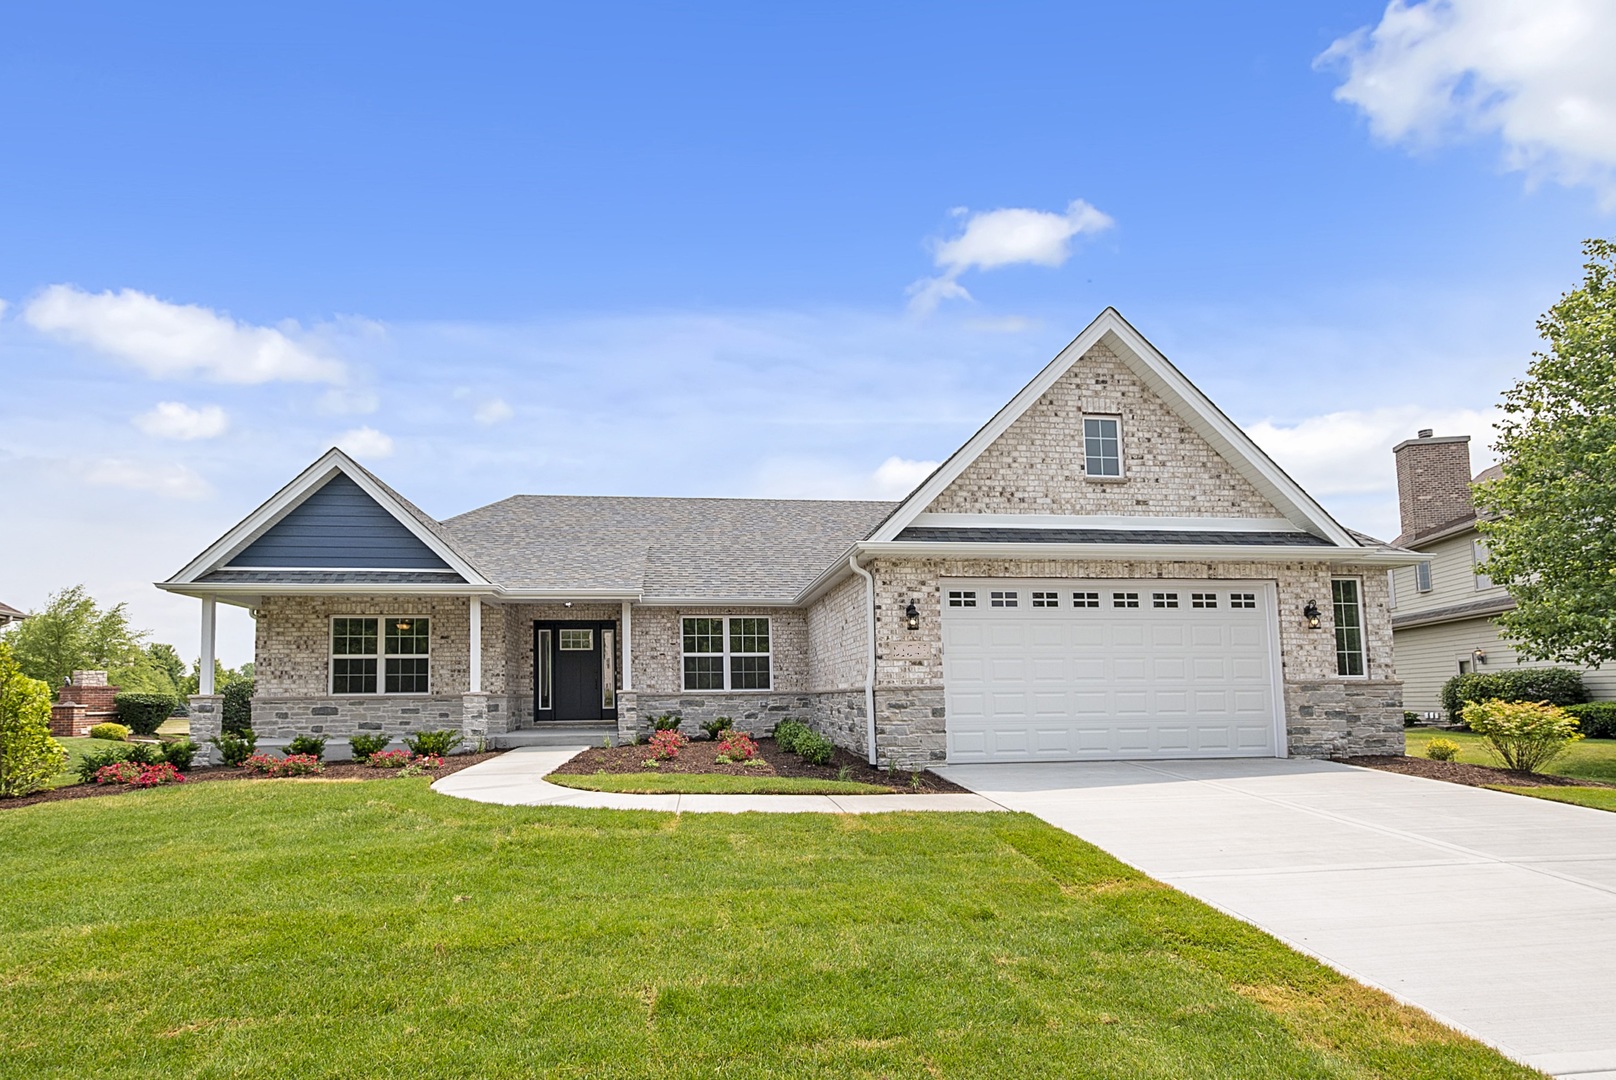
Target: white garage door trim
(1110,682)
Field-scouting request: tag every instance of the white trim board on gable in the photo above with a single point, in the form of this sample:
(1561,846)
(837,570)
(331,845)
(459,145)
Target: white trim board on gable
(1175,391)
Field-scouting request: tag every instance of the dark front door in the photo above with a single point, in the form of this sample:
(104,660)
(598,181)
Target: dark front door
(572,662)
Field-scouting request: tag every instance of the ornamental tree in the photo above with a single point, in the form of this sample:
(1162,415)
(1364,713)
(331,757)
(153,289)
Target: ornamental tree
(28,755)
(1550,521)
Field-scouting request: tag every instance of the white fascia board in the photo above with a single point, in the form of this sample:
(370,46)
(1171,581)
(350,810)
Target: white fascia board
(539,596)
(1316,553)
(709,602)
(267,588)
(1102,521)
(307,482)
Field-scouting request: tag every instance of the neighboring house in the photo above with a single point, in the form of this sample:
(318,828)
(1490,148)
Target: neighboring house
(1443,611)
(9,615)
(1110,568)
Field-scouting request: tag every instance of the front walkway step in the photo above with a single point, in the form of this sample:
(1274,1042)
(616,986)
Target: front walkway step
(556,735)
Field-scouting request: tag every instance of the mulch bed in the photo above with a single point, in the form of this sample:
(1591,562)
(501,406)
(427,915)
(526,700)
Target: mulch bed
(1457,772)
(698,757)
(339,770)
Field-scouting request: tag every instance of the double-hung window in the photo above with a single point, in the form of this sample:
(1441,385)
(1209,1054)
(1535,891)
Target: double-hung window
(727,653)
(1102,447)
(1349,637)
(387,655)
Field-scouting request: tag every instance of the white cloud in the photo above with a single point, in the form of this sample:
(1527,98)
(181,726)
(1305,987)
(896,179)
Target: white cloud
(1539,75)
(169,481)
(1350,453)
(176,420)
(1007,237)
(493,411)
(3,307)
(169,341)
(366,442)
(347,401)
(896,477)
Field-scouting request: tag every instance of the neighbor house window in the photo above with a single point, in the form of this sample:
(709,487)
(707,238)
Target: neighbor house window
(1349,641)
(726,654)
(390,655)
(1422,576)
(1102,446)
(1478,555)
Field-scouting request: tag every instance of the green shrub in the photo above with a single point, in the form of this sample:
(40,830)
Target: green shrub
(95,760)
(1441,749)
(1522,735)
(665,722)
(435,743)
(312,745)
(365,745)
(136,753)
(29,757)
(235,747)
(235,712)
(1555,686)
(180,753)
(1596,719)
(110,732)
(1410,718)
(144,753)
(815,749)
(787,732)
(144,713)
(716,726)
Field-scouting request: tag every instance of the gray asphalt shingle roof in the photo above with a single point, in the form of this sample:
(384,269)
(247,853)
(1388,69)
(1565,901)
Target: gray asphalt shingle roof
(718,549)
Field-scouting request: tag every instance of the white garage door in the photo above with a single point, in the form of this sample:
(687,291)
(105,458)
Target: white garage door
(1071,669)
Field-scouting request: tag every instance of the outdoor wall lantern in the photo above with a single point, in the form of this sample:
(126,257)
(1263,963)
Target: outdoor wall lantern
(911,616)
(1311,614)
(1478,656)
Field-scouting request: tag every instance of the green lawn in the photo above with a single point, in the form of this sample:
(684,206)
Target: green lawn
(1588,759)
(1597,798)
(712,784)
(77,748)
(365,929)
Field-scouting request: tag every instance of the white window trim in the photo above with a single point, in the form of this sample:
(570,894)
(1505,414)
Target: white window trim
(1476,559)
(1122,458)
(726,654)
(1363,628)
(1430,577)
(380,656)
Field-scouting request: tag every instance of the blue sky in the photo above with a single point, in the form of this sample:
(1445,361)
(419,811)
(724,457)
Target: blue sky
(621,249)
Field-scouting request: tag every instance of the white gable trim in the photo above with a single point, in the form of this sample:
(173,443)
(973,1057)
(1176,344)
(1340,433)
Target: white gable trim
(1102,521)
(291,496)
(1179,394)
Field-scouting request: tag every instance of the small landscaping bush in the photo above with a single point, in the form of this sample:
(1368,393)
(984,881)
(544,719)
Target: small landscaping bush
(736,747)
(144,753)
(364,746)
(815,749)
(134,774)
(1410,718)
(1553,686)
(235,747)
(1596,719)
(434,743)
(787,732)
(180,753)
(717,726)
(402,759)
(110,732)
(1523,735)
(310,745)
(235,714)
(1441,749)
(290,765)
(665,745)
(144,713)
(665,722)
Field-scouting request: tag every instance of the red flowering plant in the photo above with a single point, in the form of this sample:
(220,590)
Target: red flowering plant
(134,774)
(736,747)
(290,765)
(260,763)
(665,745)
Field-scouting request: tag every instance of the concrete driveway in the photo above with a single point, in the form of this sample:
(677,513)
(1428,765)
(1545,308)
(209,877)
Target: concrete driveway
(1496,913)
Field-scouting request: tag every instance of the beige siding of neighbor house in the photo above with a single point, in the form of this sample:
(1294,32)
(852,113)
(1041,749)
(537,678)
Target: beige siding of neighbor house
(1036,466)
(1453,577)
(1428,656)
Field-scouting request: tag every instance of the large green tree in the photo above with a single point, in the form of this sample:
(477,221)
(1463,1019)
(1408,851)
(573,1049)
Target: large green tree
(1550,521)
(74,632)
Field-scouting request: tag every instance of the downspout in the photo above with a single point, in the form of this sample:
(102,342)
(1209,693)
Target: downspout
(869,671)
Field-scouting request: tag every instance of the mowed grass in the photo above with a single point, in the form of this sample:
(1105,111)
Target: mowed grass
(1595,798)
(306,929)
(712,784)
(1588,759)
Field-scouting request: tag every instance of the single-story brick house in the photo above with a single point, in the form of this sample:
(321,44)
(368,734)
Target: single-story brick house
(1109,568)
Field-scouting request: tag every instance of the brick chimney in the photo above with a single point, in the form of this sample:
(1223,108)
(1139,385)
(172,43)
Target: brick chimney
(1433,483)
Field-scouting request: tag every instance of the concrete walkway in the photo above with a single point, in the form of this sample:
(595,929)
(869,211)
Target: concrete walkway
(1494,912)
(517,779)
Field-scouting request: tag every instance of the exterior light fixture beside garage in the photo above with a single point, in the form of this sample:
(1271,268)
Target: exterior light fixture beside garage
(911,616)
(1311,614)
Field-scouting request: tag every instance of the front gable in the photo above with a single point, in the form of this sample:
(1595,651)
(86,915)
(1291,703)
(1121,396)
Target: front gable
(1037,465)
(338,526)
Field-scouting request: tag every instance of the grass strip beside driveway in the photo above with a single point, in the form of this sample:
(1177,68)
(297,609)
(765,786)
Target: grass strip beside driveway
(650,783)
(1597,798)
(1587,759)
(315,929)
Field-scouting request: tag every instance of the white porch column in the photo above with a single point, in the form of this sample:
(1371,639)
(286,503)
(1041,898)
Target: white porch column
(205,670)
(475,663)
(628,646)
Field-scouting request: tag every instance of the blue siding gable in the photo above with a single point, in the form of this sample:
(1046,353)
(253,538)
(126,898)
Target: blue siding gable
(340,527)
